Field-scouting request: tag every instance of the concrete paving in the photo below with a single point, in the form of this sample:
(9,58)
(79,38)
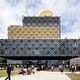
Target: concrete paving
(42,75)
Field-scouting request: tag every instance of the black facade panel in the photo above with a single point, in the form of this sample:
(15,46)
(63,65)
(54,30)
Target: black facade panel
(41,21)
(39,47)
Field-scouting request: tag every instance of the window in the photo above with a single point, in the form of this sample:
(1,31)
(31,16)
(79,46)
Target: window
(50,24)
(39,24)
(0,44)
(1,52)
(44,24)
(33,24)
(55,24)
(28,24)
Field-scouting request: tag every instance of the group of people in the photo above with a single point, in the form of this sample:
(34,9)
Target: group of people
(28,71)
(22,71)
(72,68)
(40,67)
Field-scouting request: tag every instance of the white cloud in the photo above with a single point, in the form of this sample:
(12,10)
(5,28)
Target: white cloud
(9,15)
(11,12)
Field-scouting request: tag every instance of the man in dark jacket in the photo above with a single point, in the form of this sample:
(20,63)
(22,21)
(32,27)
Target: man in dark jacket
(8,72)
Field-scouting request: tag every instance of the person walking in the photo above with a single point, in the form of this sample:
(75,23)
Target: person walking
(8,72)
(62,67)
(52,67)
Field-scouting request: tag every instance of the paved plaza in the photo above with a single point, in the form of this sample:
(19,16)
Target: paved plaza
(42,75)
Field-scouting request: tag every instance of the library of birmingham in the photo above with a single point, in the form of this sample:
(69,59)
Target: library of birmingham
(38,39)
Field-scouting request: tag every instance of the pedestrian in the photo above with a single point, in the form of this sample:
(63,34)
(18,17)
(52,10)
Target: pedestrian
(62,68)
(52,67)
(22,71)
(32,66)
(73,68)
(8,71)
(27,67)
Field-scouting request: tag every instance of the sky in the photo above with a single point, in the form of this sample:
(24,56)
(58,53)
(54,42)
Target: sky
(12,11)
